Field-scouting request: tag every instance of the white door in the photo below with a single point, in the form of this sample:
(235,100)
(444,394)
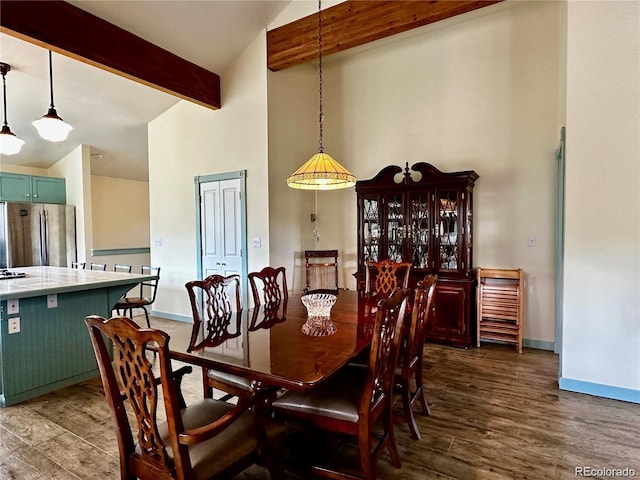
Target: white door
(220,224)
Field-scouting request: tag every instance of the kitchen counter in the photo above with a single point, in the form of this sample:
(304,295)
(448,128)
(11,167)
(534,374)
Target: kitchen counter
(48,280)
(44,342)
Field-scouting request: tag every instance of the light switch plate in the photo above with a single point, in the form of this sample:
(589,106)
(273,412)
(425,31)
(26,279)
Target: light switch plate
(13,306)
(257,242)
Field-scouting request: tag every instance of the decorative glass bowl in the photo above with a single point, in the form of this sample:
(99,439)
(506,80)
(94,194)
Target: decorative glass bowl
(318,307)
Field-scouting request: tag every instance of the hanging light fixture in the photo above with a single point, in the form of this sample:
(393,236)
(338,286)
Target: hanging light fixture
(50,126)
(322,171)
(9,143)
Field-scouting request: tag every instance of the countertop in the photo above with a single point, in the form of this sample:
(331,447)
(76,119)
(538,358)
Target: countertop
(48,280)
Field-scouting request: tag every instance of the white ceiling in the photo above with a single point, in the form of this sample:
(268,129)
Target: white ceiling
(110,113)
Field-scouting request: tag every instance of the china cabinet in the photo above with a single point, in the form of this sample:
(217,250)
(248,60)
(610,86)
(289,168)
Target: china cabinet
(424,216)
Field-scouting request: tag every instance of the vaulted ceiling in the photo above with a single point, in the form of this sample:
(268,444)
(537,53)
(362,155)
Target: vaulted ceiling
(185,45)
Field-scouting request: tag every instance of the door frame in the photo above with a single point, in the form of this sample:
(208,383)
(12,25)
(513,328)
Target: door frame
(198,180)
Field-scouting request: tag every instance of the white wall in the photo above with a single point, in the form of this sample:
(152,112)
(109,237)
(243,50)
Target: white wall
(601,334)
(481,94)
(75,168)
(189,140)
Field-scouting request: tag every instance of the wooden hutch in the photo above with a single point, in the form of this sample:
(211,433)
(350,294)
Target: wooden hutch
(424,216)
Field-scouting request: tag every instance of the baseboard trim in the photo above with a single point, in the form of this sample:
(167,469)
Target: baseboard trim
(172,316)
(599,390)
(539,344)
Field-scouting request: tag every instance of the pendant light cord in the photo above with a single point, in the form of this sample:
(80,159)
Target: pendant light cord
(51,79)
(321,118)
(4,98)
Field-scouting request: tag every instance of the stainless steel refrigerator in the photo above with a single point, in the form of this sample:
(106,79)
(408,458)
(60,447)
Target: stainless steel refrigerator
(35,234)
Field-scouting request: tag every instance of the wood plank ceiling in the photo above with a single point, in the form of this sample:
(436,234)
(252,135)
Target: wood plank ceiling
(356,22)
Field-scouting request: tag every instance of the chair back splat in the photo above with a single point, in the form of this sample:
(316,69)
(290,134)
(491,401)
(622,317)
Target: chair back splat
(190,443)
(269,286)
(384,277)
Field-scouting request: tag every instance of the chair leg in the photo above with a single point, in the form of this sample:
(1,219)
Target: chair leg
(391,438)
(146,315)
(407,403)
(367,461)
(420,391)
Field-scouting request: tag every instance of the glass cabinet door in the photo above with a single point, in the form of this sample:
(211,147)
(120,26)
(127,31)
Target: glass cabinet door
(395,227)
(371,230)
(420,227)
(448,227)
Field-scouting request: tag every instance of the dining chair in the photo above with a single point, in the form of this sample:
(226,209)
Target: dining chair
(386,276)
(269,286)
(321,270)
(204,440)
(353,400)
(78,265)
(146,294)
(411,356)
(216,308)
(98,266)
(117,267)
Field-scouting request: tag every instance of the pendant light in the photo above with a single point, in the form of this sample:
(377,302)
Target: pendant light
(322,171)
(50,126)
(9,143)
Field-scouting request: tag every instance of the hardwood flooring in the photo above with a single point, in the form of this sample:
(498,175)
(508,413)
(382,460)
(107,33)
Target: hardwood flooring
(495,414)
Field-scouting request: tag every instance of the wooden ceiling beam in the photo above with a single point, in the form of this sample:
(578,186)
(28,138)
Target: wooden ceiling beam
(69,30)
(356,22)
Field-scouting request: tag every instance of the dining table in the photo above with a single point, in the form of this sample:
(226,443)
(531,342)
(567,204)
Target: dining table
(272,347)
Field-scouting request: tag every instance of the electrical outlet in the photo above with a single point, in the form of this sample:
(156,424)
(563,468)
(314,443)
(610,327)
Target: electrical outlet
(14,325)
(52,300)
(13,306)
(531,241)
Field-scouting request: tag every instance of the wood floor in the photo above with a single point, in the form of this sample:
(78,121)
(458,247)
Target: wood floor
(495,415)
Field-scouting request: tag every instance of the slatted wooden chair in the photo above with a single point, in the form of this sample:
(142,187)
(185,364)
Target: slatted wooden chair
(216,308)
(353,400)
(411,355)
(205,440)
(321,270)
(384,277)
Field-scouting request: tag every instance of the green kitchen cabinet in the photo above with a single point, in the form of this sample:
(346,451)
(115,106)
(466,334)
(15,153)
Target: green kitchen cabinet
(15,187)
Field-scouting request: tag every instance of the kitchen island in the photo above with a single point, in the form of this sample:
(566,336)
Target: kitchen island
(44,343)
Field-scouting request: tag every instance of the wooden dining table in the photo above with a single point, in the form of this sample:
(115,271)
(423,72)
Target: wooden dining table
(271,348)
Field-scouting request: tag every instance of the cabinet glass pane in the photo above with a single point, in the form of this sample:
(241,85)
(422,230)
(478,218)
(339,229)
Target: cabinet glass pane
(371,232)
(419,224)
(395,227)
(448,229)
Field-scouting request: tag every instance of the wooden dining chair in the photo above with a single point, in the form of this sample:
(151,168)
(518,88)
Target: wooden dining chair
(353,400)
(101,267)
(204,440)
(216,308)
(146,294)
(269,286)
(321,270)
(384,277)
(411,356)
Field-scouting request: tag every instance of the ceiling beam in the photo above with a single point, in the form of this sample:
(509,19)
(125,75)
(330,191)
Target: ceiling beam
(69,30)
(356,22)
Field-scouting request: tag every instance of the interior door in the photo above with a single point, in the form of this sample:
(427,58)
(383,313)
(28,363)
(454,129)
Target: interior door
(220,223)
